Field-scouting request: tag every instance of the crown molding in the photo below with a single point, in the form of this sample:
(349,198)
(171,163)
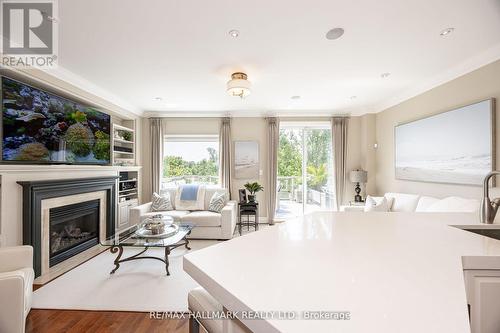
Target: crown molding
(75,80)
(254,113)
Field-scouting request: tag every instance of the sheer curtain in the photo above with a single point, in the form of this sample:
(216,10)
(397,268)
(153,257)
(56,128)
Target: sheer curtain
(156,132)
(273,133)
(339,146)
(225,153)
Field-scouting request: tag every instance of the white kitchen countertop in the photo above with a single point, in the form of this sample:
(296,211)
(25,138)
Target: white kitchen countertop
(394,272)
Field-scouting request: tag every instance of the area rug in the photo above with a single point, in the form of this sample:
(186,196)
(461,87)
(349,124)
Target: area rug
(139,285)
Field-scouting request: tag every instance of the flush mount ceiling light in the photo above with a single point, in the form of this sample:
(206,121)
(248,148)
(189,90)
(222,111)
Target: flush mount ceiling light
(234,33)
(385,75)
(239,85)
(334,33)
(447,31)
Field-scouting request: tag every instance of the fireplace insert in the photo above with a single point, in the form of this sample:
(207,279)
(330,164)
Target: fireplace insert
(73,229)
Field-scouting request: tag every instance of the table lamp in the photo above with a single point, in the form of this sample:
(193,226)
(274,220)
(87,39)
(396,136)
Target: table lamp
(358,176)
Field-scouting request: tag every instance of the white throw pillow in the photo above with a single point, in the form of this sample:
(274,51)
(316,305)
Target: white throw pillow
(454,205)
(403,202)
(161,203)
(371,205)
(424,203)
(217,202)
(378,200)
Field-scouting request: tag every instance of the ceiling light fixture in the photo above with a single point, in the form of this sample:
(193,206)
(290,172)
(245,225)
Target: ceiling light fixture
(239,85)
(234,33)
(385,75)
(447,31)
(334,33)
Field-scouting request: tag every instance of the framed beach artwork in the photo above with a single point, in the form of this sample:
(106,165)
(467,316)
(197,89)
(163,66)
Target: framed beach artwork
(246,159)
(455,147)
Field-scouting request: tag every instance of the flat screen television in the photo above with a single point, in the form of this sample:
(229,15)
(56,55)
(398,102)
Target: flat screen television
(40,127)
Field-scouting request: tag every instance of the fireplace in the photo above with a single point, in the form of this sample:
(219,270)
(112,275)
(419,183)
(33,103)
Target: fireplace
(73,229)
(64,220)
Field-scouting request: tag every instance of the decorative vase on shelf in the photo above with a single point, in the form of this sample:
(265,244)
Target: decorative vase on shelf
(251,198)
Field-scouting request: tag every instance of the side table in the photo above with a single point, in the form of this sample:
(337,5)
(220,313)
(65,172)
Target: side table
(248,209)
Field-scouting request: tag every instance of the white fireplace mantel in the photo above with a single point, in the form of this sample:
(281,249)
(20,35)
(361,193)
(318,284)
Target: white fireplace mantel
(18,168)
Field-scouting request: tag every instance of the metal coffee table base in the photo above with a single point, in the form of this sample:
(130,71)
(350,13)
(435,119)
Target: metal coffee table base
(168,249)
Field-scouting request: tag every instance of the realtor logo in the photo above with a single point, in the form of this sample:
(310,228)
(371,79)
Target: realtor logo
(28,33)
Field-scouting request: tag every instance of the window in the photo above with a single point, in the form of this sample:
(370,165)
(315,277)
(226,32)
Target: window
(190,159)
(305,169)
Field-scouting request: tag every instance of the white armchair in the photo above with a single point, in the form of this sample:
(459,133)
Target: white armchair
(16,287)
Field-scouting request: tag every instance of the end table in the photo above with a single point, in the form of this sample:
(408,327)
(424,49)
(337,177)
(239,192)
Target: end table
(248,209)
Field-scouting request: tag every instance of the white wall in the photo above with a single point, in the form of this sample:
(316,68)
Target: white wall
(478,85)
(255,129)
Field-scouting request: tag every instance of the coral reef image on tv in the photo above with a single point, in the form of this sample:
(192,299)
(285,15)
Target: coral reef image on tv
(40,127)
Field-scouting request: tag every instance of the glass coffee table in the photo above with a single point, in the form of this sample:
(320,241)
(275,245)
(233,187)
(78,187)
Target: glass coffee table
(133,237)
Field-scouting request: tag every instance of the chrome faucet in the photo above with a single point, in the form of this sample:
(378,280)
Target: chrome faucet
(489,207)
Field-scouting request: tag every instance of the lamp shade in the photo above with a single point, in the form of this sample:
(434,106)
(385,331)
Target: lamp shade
(358,176)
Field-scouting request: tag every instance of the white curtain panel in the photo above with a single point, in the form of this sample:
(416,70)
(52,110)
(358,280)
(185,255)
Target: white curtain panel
(339,146)
(225,153)
(273,134)
(156,131)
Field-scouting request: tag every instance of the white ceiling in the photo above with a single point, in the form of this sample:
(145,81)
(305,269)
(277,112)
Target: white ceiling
(133,51)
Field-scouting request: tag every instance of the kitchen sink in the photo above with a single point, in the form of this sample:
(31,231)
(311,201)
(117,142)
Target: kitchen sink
(492,233)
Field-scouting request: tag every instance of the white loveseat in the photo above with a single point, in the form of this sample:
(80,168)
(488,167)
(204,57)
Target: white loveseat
(403,202)
(209,225)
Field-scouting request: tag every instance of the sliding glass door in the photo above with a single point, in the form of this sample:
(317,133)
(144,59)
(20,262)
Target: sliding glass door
(305,169)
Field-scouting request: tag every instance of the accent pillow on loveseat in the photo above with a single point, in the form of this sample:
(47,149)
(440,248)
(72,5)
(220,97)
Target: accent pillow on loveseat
(161,203)
(217,202)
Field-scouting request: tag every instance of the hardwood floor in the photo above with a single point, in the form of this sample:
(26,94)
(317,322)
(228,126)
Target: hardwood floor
(72,321)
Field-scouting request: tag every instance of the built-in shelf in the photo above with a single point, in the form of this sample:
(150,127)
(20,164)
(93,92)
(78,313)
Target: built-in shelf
(128,194)
(128,197)
(124,137)
(122,152)
(129,190)
(123,128)
(128,180)
(123,141)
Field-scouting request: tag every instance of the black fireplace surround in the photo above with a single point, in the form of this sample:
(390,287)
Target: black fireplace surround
(36,191)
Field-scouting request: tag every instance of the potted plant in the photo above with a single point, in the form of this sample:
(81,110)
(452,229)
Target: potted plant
(253,188)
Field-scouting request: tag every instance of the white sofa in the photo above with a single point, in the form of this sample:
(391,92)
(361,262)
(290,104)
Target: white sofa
(403,202)
(16,287)
(209,225)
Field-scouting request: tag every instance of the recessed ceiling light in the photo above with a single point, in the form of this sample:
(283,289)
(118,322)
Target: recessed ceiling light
(234,33)
(295,97)
(384,75)
(447,31)
(334,33)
